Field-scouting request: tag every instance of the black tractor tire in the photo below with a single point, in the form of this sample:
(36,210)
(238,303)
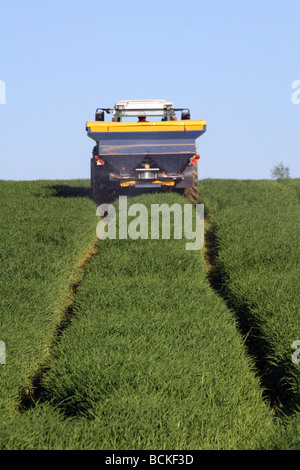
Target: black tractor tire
(192,193)
(102,192)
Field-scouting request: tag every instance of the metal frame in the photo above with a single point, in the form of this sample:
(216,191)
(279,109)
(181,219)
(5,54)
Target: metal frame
(157,108)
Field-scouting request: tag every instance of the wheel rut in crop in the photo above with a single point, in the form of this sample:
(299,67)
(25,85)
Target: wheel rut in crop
(33,392)
(276,389)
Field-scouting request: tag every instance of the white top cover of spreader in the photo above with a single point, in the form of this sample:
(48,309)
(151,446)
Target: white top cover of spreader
(142,105)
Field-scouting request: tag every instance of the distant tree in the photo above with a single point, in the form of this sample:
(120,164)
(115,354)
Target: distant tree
(280,172)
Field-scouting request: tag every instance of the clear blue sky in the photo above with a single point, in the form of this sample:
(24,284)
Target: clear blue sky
(231,62)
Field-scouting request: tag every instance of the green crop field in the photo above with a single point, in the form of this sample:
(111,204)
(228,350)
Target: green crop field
(45,235)
(142,344)
(255,227)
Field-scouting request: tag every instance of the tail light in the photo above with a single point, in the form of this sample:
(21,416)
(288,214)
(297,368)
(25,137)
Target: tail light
(98,160)
(195,158)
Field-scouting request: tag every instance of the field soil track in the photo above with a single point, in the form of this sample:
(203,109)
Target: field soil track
(33,391)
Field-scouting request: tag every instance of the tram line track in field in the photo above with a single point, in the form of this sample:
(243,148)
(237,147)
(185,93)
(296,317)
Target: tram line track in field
(34,389)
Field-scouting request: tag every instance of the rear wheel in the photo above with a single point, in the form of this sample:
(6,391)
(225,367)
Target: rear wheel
(101,190)
(192,193)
